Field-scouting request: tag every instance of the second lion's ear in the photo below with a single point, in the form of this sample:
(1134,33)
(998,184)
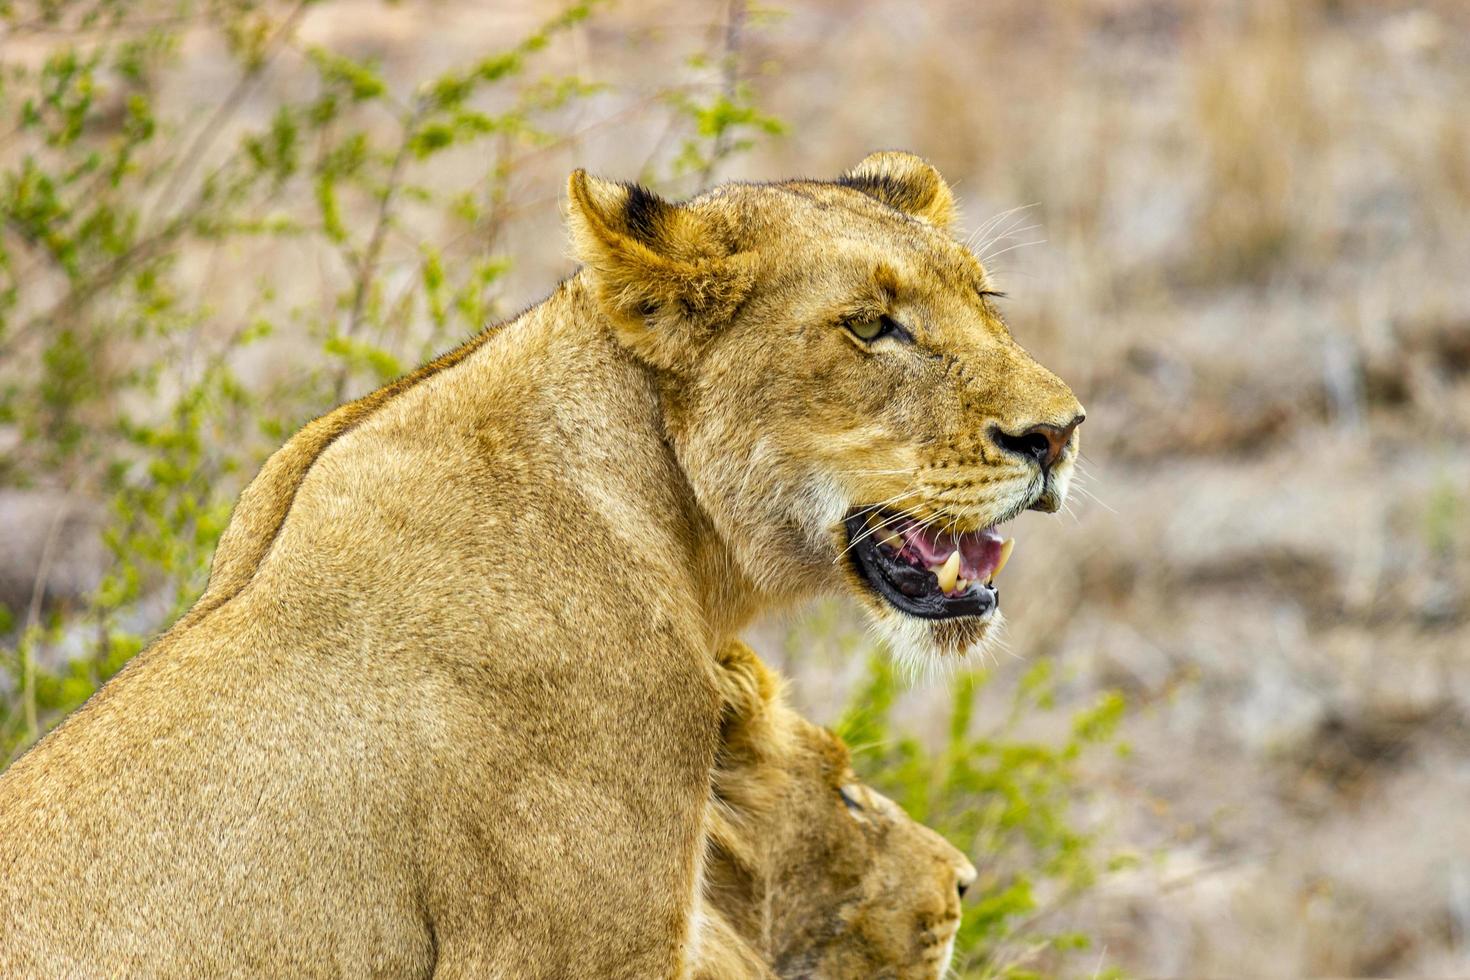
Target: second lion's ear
(664,274)
(753,726)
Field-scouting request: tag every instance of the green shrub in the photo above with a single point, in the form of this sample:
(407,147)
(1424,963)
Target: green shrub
(118,366)
(1009,802)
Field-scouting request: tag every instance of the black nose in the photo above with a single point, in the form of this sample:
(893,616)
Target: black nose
(1043,443)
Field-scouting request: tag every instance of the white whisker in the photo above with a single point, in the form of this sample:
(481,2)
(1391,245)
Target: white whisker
(994,220)
(889,521)
(1093,497)
(869,508)
(1010,231)
(1012,248)
(872,472)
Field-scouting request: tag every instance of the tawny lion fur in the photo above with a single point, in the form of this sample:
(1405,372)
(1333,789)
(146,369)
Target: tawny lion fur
(447,706)
(811,873)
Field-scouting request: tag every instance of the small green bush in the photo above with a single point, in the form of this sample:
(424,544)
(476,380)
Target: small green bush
(1009,802)
(118,366)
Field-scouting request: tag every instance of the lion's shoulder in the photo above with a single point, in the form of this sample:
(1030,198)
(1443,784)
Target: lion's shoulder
(261,511)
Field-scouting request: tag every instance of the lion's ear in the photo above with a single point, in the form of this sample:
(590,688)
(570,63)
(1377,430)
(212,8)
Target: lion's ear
(906,182)
(664,276)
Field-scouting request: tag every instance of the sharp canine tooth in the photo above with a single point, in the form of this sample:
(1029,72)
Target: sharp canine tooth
(950,572)
(893,540)
(1005,555)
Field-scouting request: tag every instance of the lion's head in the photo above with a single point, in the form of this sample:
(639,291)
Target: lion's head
(819,873)
(838,385)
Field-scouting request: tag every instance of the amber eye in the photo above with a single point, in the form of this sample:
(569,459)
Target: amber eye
(873,328)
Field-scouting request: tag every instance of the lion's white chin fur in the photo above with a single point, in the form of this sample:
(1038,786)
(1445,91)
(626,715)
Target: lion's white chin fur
(929,649)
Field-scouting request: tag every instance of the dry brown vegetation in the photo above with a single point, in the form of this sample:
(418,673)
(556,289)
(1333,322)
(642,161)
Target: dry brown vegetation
(1255,226)
(1241,231)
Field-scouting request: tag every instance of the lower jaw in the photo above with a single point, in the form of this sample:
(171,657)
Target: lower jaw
(921,643)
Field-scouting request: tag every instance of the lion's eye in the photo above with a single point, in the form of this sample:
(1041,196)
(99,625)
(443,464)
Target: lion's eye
(849,798)
(874,328)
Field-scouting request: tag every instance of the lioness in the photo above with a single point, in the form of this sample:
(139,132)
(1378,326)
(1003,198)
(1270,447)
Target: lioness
(460,631)
(810,872)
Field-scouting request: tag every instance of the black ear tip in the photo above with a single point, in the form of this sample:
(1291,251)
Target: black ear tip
(908,195)
(884,187)
(643,212)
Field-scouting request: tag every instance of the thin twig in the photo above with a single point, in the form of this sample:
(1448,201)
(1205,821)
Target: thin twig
(211,129)
(729,84)
(98,282)
(110,30)
(367,267)
(33,619)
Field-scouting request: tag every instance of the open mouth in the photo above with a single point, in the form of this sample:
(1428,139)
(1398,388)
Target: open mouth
(924,572)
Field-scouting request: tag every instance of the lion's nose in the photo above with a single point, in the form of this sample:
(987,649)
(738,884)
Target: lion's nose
(1043,443)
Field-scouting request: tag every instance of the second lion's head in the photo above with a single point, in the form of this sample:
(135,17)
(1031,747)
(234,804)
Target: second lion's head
(815,872)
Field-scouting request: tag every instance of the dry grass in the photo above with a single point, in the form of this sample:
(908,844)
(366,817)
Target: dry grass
(1254,219)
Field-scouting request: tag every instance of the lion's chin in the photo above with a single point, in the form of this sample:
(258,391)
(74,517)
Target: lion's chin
(927,646)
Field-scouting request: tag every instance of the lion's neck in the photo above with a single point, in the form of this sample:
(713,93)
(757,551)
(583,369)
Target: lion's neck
(613,435)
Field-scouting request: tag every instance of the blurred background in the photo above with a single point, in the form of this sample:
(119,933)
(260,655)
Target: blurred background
(1230,731)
